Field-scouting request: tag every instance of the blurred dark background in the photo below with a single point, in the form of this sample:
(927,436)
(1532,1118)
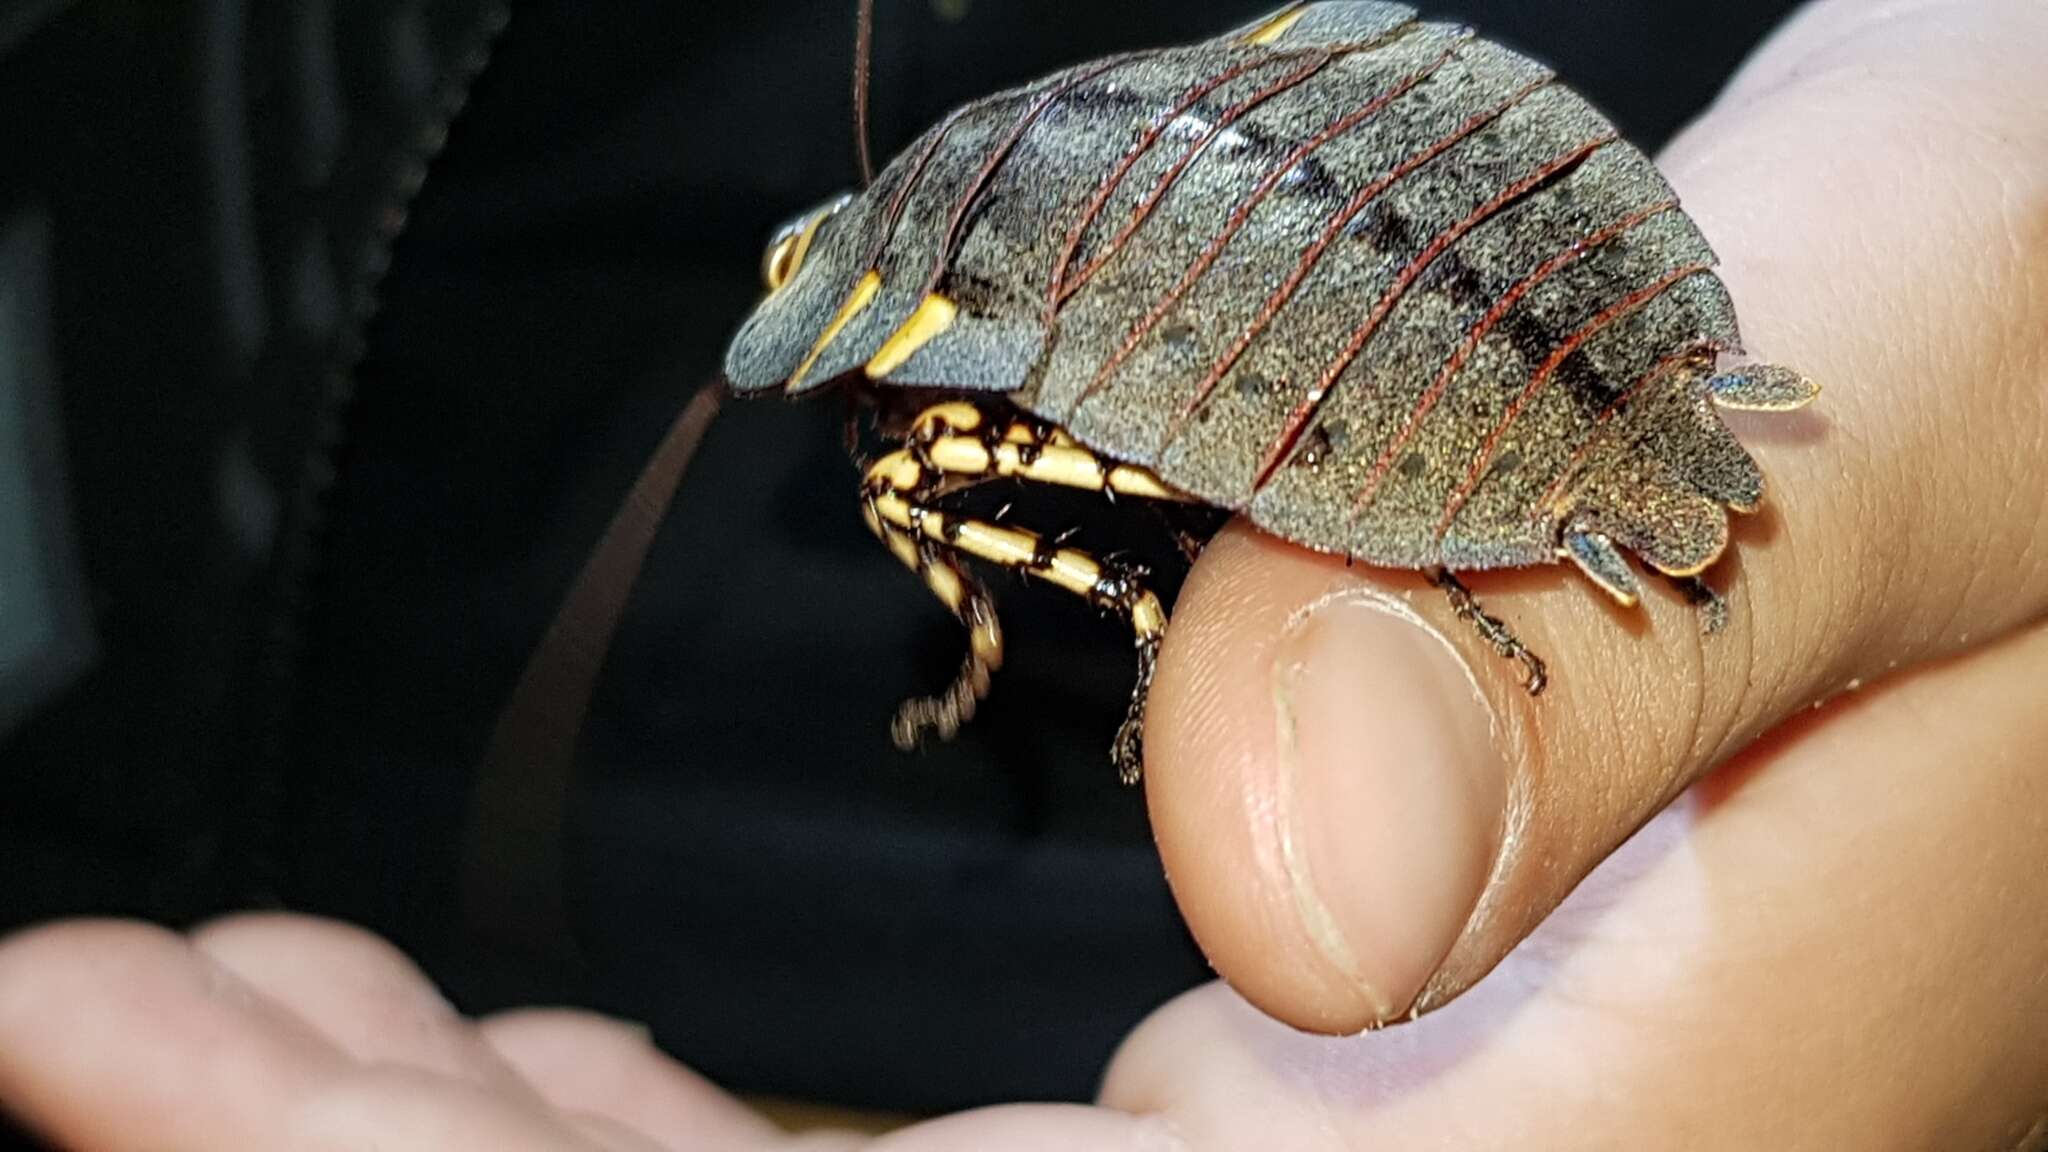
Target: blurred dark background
(331,334)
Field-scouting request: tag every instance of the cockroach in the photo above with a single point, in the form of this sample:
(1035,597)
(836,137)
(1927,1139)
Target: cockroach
(1386,289)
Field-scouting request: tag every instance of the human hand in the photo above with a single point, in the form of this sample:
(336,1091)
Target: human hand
(286,1034)
(1834,941)
(1838,938)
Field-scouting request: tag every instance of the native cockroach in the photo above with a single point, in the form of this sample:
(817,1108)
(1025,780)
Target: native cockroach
(1388,290)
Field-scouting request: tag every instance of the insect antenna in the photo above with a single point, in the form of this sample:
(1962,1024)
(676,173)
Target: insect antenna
(863,60)
(514,866)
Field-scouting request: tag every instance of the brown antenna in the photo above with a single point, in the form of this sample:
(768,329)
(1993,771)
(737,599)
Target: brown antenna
(514,859)
(863,56)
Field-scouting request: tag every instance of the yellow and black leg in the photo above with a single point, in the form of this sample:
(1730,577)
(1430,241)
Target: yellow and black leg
(955,443)
(964,596)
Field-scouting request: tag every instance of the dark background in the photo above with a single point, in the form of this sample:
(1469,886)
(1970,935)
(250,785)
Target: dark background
(331,334)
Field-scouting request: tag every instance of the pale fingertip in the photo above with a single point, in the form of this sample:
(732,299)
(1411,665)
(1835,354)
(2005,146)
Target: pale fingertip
(1311,889)
(359,991)
(1035,1128)
(1388,789)
(584,1062)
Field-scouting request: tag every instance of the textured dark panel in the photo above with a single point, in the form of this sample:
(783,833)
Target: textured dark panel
(21,18)
(210,248)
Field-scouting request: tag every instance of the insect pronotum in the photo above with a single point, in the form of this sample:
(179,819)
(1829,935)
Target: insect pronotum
(1388,290)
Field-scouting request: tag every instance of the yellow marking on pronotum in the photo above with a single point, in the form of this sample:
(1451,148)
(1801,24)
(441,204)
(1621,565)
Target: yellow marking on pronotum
(803,246)
(863,294)
(933,316)
(1277,27)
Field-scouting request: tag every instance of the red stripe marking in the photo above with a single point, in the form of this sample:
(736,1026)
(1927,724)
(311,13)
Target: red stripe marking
(1287,290)
(1662,369)
(1305,412)
(1577,252)
(1063,289)
(1594,327)
(1108,187)
(901,199)
(1002,151)
(1240,216)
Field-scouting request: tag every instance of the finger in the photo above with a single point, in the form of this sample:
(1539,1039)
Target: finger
(591,1064)
(614,1136)
(1835,944)
(1360,808)
(1034,1128)
(123,1038)
(358,992)
(87,1007)
(370,1000)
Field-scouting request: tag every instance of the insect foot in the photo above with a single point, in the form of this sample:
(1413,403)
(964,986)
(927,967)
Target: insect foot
(1494,631)
(1712,608)
(1128,751)
(1121,589)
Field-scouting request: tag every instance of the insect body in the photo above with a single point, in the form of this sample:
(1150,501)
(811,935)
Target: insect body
(1389,290)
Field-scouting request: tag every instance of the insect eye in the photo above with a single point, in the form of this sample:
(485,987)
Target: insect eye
(786,252)
(781,262)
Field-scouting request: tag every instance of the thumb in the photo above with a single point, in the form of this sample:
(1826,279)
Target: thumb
(1359,807)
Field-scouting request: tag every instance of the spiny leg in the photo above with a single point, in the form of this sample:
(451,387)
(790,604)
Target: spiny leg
(959,440)
(949,580)
(956,441)
(849,432)
(1114,587)
(1712,608)
(1187,527)
(1493,630)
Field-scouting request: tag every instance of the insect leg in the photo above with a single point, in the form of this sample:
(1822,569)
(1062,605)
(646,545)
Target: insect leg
(1189,542)
(1713,610)
(1492,629)
(957,442)
(1113,587)
(958,439)
(965,597)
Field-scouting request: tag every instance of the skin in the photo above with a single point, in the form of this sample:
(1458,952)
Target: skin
(1832,940)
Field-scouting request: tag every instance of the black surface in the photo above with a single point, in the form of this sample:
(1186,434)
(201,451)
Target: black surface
(290,702)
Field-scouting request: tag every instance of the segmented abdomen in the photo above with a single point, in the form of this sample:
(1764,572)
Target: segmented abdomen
(1380,284)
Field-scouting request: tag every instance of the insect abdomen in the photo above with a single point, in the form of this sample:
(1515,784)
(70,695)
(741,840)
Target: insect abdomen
(1392,295)
(1387,322)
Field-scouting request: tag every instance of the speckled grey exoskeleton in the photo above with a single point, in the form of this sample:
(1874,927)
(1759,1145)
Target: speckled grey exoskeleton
(1388,290)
